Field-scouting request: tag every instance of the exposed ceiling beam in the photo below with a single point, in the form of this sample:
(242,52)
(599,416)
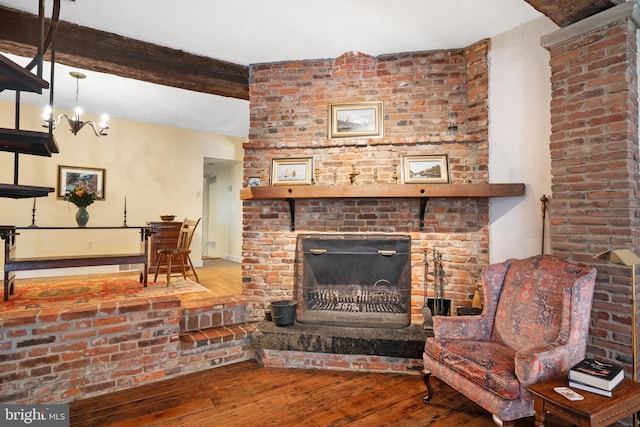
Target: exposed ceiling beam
(566,12)
(94,50)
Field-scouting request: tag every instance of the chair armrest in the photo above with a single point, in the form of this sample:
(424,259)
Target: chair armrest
(462,327)
(537,364)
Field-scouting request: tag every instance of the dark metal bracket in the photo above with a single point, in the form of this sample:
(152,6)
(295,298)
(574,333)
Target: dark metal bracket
(292,210)
(423,209)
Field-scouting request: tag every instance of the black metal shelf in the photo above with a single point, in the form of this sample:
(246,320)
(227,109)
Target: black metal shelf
(28,142)
(15,191)
(15,77)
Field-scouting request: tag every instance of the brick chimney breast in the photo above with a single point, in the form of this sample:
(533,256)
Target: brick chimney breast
(354,66)
(290,117)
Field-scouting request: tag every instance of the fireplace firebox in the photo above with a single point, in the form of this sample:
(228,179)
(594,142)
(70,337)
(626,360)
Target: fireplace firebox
(354,280)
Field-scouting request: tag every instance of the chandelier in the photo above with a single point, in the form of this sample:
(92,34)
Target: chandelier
(75,122)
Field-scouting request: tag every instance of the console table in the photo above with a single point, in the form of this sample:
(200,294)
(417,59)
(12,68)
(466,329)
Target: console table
(8,233)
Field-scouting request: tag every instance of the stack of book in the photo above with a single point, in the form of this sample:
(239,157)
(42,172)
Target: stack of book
(596,377)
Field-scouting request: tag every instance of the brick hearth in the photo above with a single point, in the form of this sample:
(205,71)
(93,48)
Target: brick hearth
(327,347)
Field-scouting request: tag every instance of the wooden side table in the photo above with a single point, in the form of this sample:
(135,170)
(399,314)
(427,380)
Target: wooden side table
(594,411)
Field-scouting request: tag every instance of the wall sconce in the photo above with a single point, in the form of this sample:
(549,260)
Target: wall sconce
(452,118)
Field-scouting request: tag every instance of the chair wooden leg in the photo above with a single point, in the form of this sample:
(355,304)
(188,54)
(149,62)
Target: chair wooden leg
(169,259)
(155,277)
(427,382)
(193,270)
(182,267)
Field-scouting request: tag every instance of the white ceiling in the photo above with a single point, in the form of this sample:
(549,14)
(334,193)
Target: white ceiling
(255,31)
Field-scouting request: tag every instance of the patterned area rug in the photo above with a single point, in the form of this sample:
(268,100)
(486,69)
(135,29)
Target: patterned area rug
(44,295)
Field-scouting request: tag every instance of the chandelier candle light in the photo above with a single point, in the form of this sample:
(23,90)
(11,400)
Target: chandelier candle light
(75,122)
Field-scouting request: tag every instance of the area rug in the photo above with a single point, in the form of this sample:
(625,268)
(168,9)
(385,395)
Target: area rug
(46,295)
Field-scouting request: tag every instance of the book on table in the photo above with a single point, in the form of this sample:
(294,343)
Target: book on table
(585,387)
(601,375)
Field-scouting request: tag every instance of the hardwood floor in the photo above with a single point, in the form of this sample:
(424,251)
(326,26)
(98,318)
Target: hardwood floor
(221,277)
(247,394)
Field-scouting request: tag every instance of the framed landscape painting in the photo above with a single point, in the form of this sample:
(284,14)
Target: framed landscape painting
(356,120)
(293,171)
(425,169)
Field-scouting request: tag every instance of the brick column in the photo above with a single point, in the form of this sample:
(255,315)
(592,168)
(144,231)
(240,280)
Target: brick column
(594,162)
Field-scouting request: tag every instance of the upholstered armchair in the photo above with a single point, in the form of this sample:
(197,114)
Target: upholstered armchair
(533,327)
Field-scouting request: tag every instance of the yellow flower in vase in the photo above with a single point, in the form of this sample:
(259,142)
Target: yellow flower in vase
(81,196)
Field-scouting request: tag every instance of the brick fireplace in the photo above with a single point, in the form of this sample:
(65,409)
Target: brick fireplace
(593,146)
(289,112)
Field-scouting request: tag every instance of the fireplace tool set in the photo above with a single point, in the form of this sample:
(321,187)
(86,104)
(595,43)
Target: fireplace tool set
(439,279)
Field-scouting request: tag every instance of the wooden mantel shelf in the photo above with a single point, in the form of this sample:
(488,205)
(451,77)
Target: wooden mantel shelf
(383,191)
(380,191)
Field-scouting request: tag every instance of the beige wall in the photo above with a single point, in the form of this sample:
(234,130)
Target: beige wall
(519,131)
(159,169)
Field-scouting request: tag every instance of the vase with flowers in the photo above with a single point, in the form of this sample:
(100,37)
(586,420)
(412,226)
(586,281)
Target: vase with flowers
(81,196)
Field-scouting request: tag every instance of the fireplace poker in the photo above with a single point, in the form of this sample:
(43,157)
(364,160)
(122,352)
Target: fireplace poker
(438,283)
(544,199)
(442,278)
(426,312)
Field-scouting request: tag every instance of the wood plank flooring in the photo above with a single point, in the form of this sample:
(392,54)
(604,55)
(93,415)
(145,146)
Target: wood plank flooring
(245,394)
(221,277)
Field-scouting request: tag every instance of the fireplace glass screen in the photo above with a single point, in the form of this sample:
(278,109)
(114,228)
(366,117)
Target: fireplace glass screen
(357,280)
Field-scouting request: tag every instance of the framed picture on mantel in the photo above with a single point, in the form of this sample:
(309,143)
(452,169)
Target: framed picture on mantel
(292,171)
(356,120)
(425,169)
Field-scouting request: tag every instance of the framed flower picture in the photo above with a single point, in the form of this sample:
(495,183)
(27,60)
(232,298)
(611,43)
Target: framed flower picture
(70,177)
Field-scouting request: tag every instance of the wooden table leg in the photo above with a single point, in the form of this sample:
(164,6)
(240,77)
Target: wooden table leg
(538,406)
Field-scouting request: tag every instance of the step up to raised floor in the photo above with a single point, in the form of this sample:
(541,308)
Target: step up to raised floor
(216,336)
(215,332)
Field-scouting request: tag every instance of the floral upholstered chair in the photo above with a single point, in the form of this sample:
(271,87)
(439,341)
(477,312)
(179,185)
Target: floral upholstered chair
(533,327)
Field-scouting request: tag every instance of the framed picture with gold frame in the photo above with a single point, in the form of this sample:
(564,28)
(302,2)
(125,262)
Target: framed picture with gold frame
(292,171)
(70,177)
(428,169)
(355,120)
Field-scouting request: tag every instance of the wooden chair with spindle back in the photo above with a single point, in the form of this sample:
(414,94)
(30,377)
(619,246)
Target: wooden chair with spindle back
(182,251)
